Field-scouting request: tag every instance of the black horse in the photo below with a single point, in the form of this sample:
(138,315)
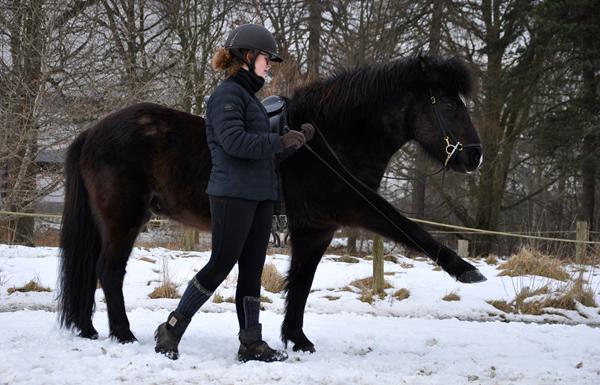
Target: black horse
(148,158)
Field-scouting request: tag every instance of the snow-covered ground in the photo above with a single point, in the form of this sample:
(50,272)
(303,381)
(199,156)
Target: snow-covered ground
(419,340)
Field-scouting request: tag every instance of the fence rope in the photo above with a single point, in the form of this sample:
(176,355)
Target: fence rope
(444,225)
(490,232)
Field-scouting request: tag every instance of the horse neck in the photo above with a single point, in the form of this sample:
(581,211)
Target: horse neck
(366,147)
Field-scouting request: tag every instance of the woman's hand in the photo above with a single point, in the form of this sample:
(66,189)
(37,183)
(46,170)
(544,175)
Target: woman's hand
(308,130)
(293,139)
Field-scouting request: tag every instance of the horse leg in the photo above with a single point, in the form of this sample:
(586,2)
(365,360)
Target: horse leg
(111,272)
(401,229)
(308,246)
(121,214)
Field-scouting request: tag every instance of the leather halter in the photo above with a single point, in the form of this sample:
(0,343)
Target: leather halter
(452,145)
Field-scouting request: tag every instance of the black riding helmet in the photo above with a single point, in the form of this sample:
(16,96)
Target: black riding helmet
(255,38)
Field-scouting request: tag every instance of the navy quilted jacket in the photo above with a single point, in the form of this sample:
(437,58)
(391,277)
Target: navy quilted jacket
(242,147)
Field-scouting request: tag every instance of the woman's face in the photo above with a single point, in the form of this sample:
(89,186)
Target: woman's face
(262,64)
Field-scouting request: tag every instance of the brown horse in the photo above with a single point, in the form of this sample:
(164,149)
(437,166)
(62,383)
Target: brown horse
(147,158)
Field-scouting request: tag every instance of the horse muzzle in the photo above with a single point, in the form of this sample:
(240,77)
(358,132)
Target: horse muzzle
(471,157)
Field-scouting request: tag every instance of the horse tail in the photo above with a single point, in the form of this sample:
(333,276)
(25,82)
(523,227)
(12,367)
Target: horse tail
(80,244)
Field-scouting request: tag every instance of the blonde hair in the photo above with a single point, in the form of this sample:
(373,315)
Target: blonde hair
(223,60)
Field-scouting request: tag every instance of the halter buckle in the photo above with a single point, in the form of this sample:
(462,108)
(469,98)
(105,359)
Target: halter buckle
(451,149)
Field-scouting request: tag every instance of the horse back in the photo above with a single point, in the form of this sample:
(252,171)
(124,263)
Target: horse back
(159,153)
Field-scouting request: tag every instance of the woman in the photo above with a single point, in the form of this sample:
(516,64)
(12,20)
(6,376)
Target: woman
(242,187)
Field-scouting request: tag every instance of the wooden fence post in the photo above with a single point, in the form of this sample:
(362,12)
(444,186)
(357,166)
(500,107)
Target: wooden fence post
(463,248)
(377,264)
(189,238)
(583,234)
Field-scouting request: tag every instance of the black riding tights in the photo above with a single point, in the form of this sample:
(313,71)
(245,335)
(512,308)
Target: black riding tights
(240,233)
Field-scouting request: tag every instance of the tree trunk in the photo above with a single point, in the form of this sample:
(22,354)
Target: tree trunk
(314,39)
(352,237)
(27,60)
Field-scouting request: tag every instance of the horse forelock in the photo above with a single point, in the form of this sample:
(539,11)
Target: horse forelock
(369,87)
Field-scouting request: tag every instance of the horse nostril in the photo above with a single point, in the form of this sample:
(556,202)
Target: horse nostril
(475,158)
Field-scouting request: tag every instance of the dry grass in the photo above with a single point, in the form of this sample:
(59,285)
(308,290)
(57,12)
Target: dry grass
(390,258)
(367,283)
(402,294)
(491,260)
(348,289)
(218,298)
(502,305)
(147,259)
(452,296)
(406,265)
(582,293)
(366,296)
(33,285)
(532,262)
(347,259)
(272,280)
(166,290)
(437,268)
(534,302)
(265,299)
(365,286)
(332,297)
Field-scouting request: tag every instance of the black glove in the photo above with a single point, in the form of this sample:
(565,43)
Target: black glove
(293,139)
(308,130)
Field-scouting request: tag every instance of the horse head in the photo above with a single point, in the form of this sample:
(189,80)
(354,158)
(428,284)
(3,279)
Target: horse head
(440,120)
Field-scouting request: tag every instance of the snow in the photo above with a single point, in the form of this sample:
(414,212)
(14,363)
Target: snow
(420,340)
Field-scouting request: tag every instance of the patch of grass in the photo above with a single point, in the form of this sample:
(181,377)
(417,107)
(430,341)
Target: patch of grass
(402,294)
(165,290)
(534,302)
(332,297)
(218,298)
(33,285)
(502,305)
(347,259)
(532,262)
(367,283)
(437,268)
(406,265)
(452,296)
(147,259)
(491,260)
(272,280)
(390,258)
(366,296)
(365,286)
(265,299)
(525,304)
(348,288)
(583,293)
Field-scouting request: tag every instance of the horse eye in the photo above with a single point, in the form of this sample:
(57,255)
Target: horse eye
(450,106)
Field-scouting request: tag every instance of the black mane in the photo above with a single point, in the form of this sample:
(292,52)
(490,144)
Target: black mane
(343,95)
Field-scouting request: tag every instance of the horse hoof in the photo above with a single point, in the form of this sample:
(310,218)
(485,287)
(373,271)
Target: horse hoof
(88,335)
(472,276)
(304,348)
(125,338)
